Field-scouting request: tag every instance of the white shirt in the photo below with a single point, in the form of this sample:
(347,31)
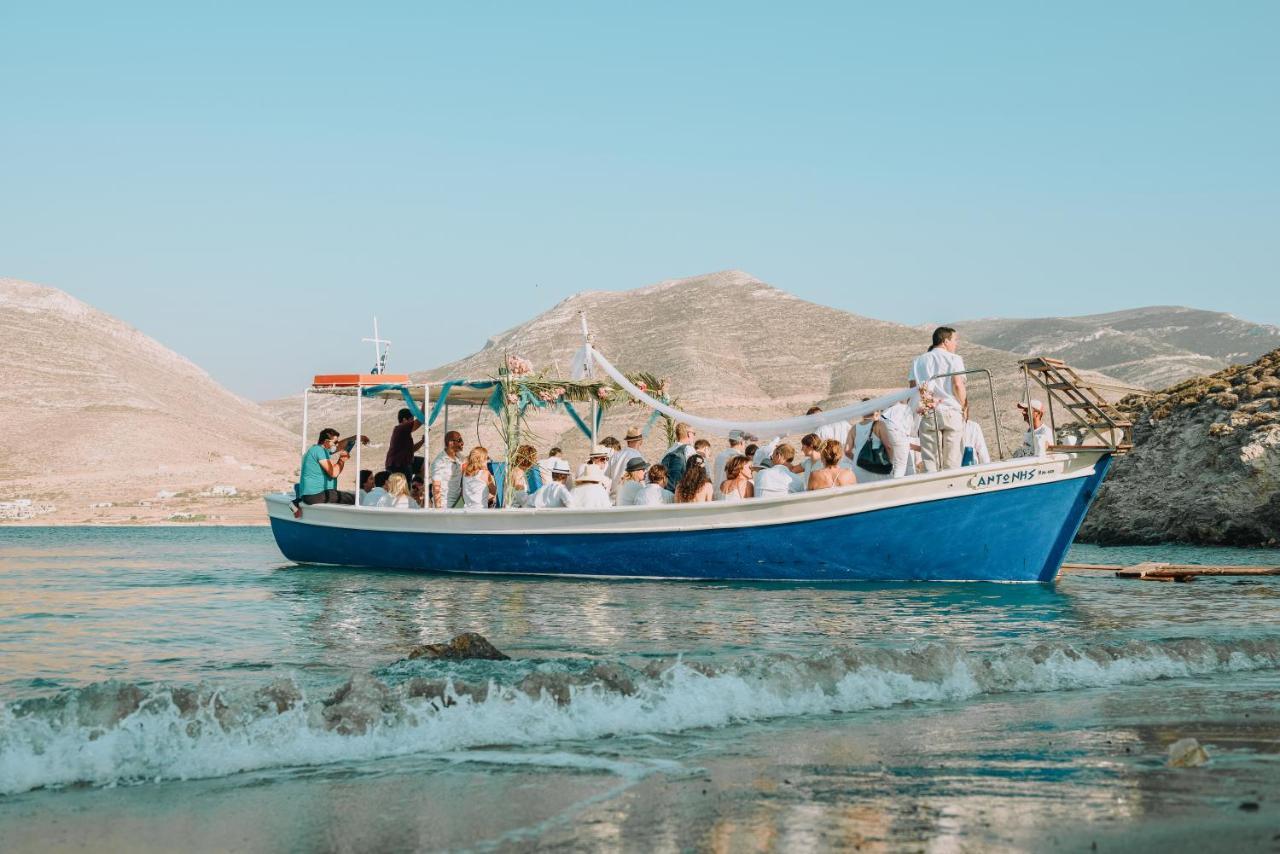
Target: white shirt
(1035,443)
(775,481)
(617,468)
(627,492)
(973,438)
(838,430)
(900,419)
(722,460)
(927,366)
(475,490)
(764,452)
(551,494)
(376,497)
(589,496)
(448,471)
(653,494)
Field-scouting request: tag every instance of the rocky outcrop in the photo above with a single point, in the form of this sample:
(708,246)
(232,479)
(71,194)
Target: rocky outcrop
(1205,466)
(463,647)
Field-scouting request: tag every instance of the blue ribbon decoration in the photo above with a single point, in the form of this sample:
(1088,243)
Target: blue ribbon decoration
(409,402)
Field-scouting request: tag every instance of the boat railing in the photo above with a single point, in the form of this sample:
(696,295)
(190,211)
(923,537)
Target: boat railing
(991,393)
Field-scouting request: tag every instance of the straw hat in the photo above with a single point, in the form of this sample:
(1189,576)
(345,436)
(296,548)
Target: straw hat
(633,433)
(589,474)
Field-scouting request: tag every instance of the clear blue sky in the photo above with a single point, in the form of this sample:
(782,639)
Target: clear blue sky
(250,183)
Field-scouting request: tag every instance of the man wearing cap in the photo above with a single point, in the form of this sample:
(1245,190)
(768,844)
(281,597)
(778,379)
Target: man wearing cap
(553,493)
(722,458)
(588,490)
(618,462)
(633,479)
(942,430)
(1038,437)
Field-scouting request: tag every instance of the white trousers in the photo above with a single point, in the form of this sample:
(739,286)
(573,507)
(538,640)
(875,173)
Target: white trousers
(942,439)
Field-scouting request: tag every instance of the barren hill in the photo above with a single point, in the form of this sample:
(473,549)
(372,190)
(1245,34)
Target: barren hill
(1149,347)
(1205,466)
(730,344)
(96,412)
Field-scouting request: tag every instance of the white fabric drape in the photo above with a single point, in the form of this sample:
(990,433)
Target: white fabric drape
(798,425)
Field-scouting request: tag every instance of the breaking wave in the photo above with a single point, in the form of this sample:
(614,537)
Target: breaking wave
(111,732)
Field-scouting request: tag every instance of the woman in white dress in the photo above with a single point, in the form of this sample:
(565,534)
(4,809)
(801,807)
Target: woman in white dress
(398,492)
(478,489)
(737,483)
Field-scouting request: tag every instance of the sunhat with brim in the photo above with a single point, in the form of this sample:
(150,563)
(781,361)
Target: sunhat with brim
(598,451)
(633,433)
(560,467)
(1037,405)
(636,464)
(589,474)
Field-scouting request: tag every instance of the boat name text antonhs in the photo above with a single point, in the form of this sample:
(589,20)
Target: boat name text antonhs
(1006,478)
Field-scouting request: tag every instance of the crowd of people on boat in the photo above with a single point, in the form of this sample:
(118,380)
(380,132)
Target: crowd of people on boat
(902,439)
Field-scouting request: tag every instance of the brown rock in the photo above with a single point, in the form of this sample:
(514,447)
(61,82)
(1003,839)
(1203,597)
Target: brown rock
(464,647)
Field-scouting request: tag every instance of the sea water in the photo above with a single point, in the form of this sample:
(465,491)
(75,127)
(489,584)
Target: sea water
(154,677)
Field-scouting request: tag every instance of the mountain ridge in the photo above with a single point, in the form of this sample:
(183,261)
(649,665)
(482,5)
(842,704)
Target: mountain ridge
(99,413)
(1148,346)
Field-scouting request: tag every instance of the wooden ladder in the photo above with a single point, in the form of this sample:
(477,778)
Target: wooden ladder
(1105,423)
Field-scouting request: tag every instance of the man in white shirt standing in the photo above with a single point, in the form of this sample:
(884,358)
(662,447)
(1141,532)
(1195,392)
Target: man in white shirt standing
(1038,437)
(942,430)
(722,459)
(617,467)
(446,472)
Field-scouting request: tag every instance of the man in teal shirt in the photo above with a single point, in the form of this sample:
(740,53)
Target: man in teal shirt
(321,465)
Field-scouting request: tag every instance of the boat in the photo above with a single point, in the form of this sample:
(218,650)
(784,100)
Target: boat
(1011,520)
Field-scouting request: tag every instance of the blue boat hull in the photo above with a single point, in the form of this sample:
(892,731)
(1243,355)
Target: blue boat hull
(1006,535)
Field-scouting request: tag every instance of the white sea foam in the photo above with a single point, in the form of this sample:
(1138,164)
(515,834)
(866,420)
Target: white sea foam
(117,733)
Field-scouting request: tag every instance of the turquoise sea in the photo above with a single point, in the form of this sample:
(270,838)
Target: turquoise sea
(188,688)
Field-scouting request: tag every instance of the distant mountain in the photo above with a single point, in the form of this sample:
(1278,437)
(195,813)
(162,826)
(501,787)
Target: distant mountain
(95,412)
(1149,347)
(731,345)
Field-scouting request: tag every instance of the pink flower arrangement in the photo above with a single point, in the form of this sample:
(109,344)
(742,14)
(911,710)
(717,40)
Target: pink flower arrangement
(558,391)
(603,393)
(513,399)
(518,366)
(546,396)
(640,385)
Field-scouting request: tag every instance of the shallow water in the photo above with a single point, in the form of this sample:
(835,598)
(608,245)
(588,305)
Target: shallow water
(154,656)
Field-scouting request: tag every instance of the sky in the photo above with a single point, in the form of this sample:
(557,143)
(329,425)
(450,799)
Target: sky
(251,183)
